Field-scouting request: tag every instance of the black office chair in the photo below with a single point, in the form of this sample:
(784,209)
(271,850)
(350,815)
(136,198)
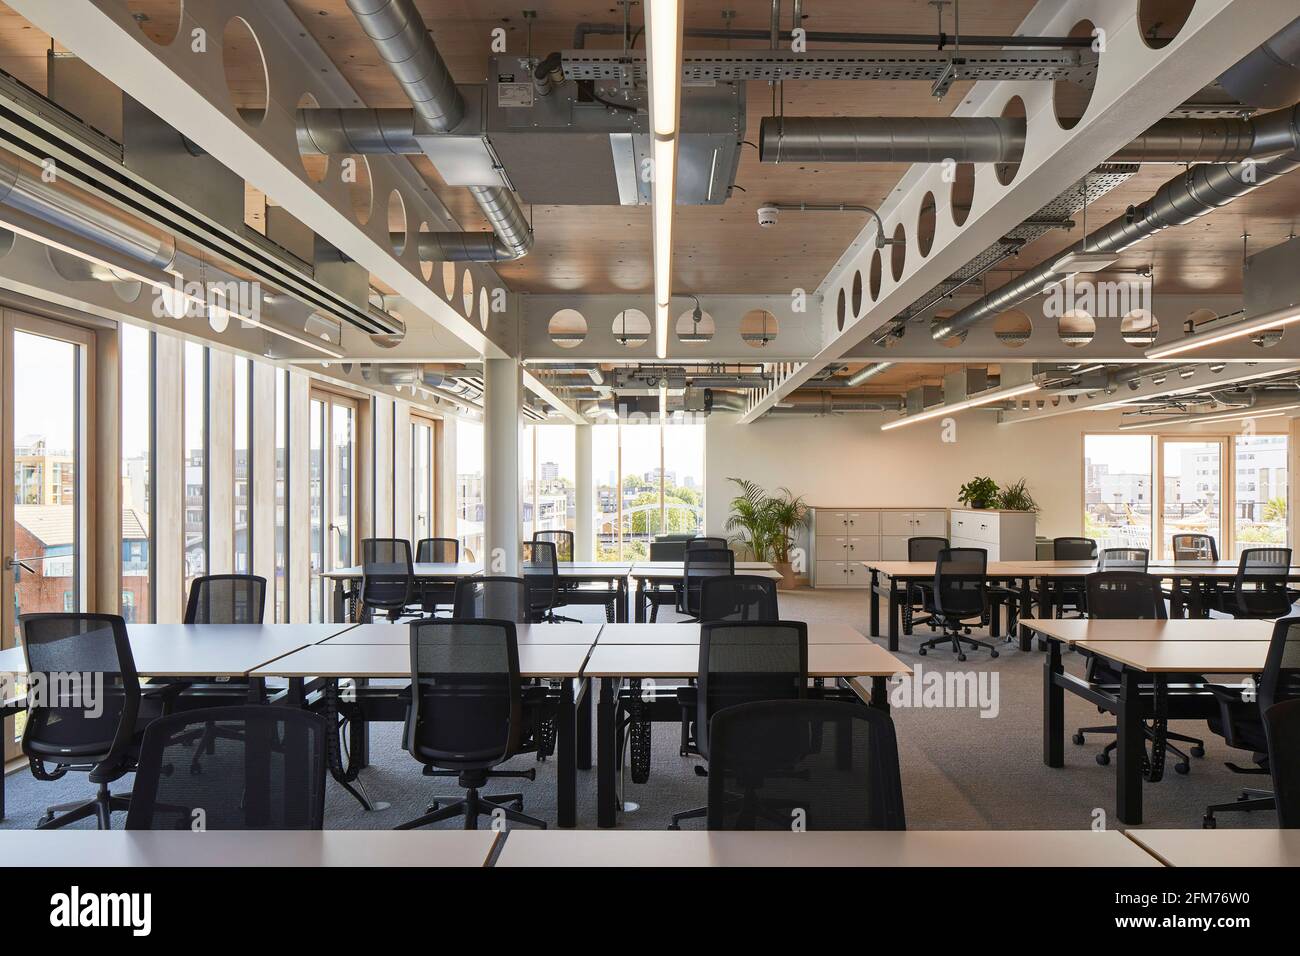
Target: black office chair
(91,712)
(469,714)
(1240,719)
(958,595)
(704,543)
(542,572)
(919,549)
(1195,547)
(804,764)
(1259,589)
(742,662)
(496,598)
(1069,594)
(563,541)
(387,578)
(1132,596)
(665,548)
(1123,559)
(668,548)
(266,772)
(738,597)
(226,599)
(434,594)
(1282,729)
(702,563)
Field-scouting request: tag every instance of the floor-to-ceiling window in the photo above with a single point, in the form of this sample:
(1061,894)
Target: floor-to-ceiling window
(195,452)
(527,480)
(555,483)
(605,497)
(684,477)
(243,434)
(1118,492)
(316,505)
(1191,490)
(422,478)
(281,495)
(641,497)
(332,451)
(135,352)
(1260,500)
(469,487)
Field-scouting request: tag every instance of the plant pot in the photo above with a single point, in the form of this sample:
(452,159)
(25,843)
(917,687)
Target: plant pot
(786,570)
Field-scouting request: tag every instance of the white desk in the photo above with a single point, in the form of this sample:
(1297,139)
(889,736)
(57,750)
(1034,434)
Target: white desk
(526,634)
(394,661)
(1221,847)
(908,848)
(823,633)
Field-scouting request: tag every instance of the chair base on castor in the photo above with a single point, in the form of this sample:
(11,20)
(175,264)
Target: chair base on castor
(1184,765)
(101,807)
(475,804)
(955,637)
(1250,799)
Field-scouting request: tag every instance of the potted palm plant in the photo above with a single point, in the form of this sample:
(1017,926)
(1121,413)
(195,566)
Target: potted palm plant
(788,512)
(764,524)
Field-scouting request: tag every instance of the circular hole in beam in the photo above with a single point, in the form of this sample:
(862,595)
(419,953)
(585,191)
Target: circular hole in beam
(567,328)
(925,224)
(758,327)
(1070,98)
(1006,172)
(245,70)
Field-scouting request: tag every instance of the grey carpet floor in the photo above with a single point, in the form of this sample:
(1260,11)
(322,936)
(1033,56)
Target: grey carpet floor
(960,770)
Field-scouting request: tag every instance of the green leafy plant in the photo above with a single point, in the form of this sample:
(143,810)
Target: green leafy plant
(1016,497)
(1275,509)
(788,512)
(979,493)
(752,516)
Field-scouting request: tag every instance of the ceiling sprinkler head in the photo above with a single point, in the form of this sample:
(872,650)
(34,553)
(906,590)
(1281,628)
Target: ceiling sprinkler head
(767,216)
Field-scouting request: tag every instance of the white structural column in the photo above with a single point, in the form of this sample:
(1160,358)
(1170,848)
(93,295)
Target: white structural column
(503,391)
(583,532)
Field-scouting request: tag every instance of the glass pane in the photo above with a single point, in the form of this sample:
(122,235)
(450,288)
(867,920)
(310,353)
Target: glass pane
(684,478)
(604,477)
(342,482)
(527,480)
(642,516)
(281,496)
(1117,490)
(136,353)
(317,504)
(556,478)
(243,466)
(47,514)
(1192,491)
(469,487)
(1259,516)
(196,472)
(421,480)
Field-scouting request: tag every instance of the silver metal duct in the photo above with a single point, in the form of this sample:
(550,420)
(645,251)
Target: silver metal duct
(397,31)
(867,372)
(1269,76)
(323,132)
(1196,192)
(830,403)
(61,204)
(986,139)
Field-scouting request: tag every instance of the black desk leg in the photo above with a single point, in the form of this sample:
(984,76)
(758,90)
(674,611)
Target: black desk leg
(1196,590)
(359,735)
(1053,708)
(566,782)
(606,761)
(880,693)
(620,609)
(875,603)
(1130,749)
(1026,637)
(582,701)
(895,613)
(638,601)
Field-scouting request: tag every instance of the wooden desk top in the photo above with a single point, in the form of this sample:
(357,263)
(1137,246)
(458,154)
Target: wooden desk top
(525,847)
(668,570)
(394,660)
(1067,569)
(1232,847)
(1073,630)
(203,650)
(1183,657)
(824,633)
(560,633)
(86,848)
(683,660)
(468,569)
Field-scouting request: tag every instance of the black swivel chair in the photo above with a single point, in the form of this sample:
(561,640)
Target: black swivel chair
(1240,719)
(701,564)
(958,595)
(436,551)
(704,542)
(387,578)
(1195,547)
(542,571)
(1069,594)
(738,597)
(1259,589)
(919,549)
(221,599)
(564,543)
(740,662)
(1133,596)
(814,764)
(266,772)
(1124,559)
(496,598)
(1282,728)
(469,714)
(86,709)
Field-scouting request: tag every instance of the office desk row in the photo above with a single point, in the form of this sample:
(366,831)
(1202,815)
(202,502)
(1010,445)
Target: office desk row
(594,848)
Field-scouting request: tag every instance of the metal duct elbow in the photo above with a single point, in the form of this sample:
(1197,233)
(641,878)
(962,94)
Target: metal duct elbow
(1269,76)
(867,372)
(330,132)
(872,139)
(464,247)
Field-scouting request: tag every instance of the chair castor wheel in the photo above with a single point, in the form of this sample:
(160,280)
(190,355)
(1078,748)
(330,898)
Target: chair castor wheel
(993,653)
(961,657)
(1209,823)
(1198,751)
(1078,740)
(1182,768)
(673,826)
(432,807)
(921,652)
(1103,759)
(46,818)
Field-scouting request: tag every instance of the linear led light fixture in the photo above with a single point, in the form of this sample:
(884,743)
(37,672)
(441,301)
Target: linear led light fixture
(664,55)
(1074,263)
(983,398)
(1288,315)
(1271,411)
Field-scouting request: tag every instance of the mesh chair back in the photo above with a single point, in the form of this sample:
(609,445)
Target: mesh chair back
(388,580)
(1281,677)
(1131,595)
(1259,589)
(437,551)
(738,597)
(563,541)
(91,693)
(1282,729)
(1074,549)
(829,764)
(466,704)
(226,599)
(1195,547)
(741,662)
(703,543)
(925,549)
(701,563)
(1123,559)
(667,550)
(265,770)
(542,572)
(493,598)
(959,582)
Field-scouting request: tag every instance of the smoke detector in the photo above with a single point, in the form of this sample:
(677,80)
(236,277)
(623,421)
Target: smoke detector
(767,216)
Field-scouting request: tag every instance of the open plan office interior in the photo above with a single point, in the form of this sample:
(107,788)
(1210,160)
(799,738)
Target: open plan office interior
(650,434)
